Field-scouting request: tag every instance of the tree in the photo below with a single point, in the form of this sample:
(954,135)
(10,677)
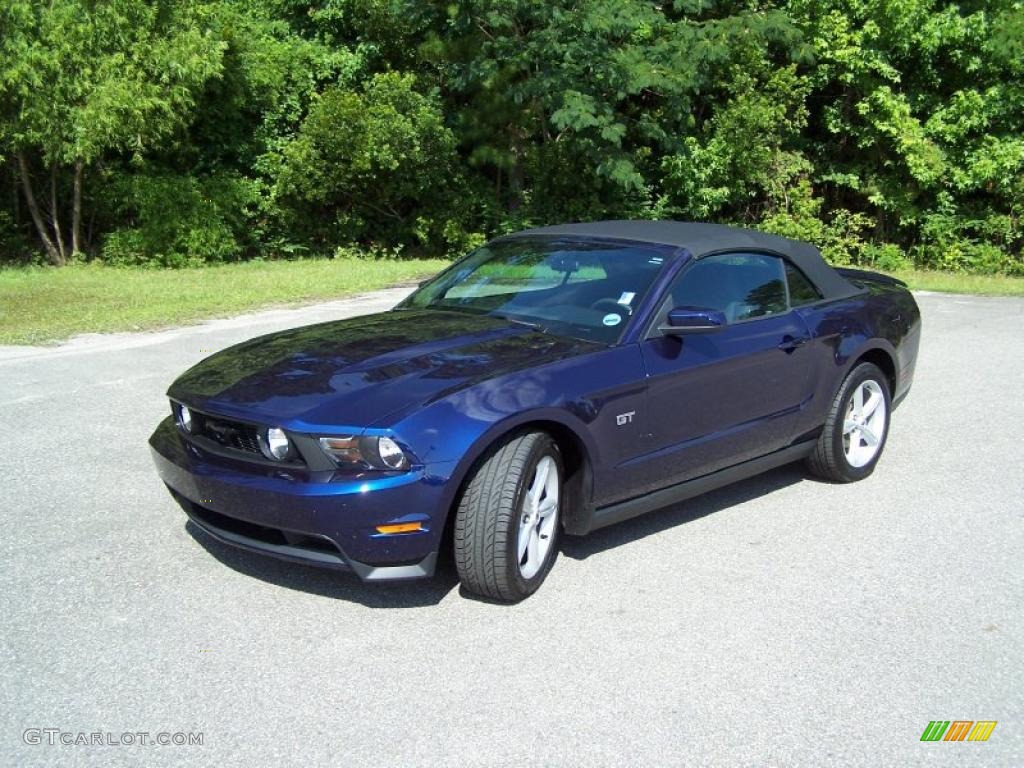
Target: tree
(371,161)
(885,131)
(80,79)
(916,119)
(569,107)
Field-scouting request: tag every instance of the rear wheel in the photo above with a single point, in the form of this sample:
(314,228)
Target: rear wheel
(507,523)
(855,431)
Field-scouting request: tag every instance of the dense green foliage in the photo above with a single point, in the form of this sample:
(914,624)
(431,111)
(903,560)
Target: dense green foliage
(179,132)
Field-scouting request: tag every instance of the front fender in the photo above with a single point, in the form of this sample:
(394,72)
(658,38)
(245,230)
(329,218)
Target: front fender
(550,419)
(577,399)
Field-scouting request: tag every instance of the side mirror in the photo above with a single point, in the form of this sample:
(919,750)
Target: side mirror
(685,320)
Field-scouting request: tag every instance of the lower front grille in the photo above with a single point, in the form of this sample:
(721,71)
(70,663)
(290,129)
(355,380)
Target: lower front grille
(255,533)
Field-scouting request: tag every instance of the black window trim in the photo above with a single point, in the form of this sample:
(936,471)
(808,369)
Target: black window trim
(810,282)
(652,332)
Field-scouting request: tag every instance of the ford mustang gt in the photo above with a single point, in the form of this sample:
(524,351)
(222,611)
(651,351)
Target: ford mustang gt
(553,381)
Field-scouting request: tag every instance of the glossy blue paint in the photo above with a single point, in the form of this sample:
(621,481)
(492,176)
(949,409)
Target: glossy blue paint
(721,398)
(639,415)
(346,510)
(683,320)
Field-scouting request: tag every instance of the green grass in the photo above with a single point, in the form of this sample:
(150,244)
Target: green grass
(45,304)
(956,282)
(42,304)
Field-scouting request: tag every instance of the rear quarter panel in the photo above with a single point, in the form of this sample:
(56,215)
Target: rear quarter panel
(884,317)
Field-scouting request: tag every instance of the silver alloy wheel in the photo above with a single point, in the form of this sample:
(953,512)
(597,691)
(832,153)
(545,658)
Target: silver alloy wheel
(538,518)
(864,425)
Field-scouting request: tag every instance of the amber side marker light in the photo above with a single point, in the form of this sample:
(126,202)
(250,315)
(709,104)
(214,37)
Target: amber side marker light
(400,528)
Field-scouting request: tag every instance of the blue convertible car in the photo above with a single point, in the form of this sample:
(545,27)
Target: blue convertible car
(555,380)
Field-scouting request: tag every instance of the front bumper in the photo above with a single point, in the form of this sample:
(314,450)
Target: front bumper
(325,521)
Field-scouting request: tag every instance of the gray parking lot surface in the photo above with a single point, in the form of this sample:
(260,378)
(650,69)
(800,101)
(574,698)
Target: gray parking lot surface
(781,621)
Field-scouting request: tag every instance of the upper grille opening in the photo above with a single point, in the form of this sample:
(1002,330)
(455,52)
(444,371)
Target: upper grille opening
(232,439)
(230,434)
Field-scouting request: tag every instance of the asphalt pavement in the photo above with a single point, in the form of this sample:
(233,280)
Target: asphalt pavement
(778,622)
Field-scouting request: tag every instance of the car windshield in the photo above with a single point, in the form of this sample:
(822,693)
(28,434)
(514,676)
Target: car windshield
(584,290)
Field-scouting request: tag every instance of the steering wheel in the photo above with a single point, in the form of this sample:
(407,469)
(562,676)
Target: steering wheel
(611,304)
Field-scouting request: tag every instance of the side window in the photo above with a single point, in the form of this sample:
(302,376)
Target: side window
(801,290)
(742,286)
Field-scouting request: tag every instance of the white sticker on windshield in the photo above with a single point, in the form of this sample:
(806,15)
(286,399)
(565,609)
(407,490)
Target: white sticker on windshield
(626,298)
(612,319)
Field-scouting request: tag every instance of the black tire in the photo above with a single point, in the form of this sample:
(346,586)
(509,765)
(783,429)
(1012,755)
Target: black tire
(828,460)
(488,517)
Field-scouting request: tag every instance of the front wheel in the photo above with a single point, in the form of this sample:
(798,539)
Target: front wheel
(852,440)
(507,523)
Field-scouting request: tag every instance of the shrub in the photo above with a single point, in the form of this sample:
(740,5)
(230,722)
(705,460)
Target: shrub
(181,220)
(372,166)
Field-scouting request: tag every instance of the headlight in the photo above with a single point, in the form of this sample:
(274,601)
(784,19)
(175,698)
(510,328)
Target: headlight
(380,453)
(275,444)
(184,418)
(390,454)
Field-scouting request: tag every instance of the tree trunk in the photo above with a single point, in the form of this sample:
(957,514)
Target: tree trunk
(76,210)
(515,173)
(33,209)
(15,195)
(55,213)
(89,229)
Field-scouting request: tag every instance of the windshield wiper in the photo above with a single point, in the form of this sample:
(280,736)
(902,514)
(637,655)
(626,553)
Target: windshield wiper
(440,307)
(533,326)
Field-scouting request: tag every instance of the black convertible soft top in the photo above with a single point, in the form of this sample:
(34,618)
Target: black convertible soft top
(702,239)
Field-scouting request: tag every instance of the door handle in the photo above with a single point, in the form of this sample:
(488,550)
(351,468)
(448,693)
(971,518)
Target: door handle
(789,343)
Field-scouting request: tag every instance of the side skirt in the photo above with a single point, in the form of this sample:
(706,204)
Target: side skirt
(624,510)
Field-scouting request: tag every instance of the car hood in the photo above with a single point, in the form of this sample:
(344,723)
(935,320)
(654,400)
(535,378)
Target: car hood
(355,372)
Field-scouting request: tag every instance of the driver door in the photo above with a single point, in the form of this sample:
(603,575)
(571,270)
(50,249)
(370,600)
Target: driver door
(720,398)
